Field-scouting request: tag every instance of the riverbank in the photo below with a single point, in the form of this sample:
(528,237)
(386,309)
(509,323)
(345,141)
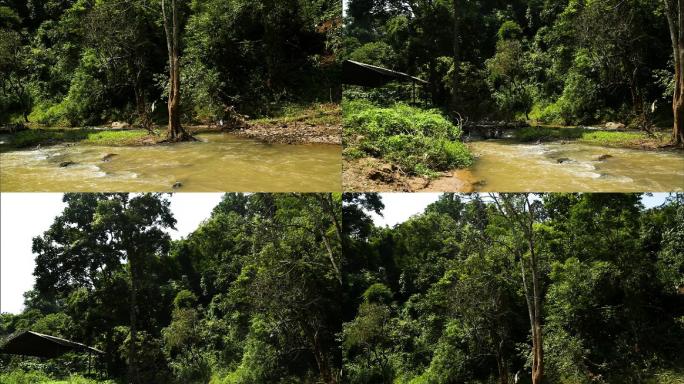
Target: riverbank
(552,166)
(314,124)
(373,175)
(632,139)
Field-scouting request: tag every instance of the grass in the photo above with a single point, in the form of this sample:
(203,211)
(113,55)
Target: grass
(623,139)
(667,377)
(529,134)
(36,377)
(315,114)
(593,137)
(421,142)
(33,137)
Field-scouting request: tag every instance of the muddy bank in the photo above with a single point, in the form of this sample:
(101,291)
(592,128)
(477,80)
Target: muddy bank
(374,175)
(293,133)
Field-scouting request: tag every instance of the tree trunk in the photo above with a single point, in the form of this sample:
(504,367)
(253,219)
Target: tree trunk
(141,106)
(675,18)
(133,371)
(523,217)
(456,57)
(537,340)
(175,131)
(322,360)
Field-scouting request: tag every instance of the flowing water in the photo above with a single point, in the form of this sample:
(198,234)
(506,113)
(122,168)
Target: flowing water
(503,166)
(220,162)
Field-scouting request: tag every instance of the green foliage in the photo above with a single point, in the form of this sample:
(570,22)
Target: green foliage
(529,134)
(576,62)
(21,377)
(377,53)
(378,293)
(509,30)
(33,137)
(607,268)
(419,141)
(73,63)
(185,299)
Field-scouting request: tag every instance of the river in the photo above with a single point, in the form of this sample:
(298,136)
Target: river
(219,162)
(505,166)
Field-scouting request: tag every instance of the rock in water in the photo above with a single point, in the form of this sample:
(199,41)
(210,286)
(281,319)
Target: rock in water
(177,185)
(604,157)
(109,156)
(563,160)
(65,164)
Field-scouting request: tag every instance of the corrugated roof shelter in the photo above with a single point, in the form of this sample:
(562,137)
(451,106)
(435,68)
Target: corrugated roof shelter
(356,73)
(29,343)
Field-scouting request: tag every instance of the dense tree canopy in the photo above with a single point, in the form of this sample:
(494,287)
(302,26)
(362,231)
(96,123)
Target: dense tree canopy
(464,291)
(305,288)
(251,296)
(570,61)
(84,62)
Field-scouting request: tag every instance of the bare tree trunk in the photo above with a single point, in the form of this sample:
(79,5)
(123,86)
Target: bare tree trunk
(524,220)
(537,340)
(456,56)
(133,371)
(675,19)
(175,131)
(321,360)
(141,106)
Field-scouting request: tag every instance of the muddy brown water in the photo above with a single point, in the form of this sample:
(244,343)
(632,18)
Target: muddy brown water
(220,162)
(504,166)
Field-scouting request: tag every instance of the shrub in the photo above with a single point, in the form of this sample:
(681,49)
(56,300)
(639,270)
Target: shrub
(419,141)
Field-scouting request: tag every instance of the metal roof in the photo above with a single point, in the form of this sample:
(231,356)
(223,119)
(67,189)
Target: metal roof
(29,343)
(356,73)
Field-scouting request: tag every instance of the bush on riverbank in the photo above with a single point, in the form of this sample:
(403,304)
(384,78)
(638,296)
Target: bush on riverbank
(419,141)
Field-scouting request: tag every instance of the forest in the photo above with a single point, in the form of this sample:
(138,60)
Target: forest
(85,84)
(570,61)
(515,288)
(305,288)
(250,296)
(598,75)
(85,62)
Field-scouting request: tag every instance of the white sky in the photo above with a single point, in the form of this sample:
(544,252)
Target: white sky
(26,215)
(399,207)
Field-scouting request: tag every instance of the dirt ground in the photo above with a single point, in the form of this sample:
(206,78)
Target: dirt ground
(373,175)
(293,133)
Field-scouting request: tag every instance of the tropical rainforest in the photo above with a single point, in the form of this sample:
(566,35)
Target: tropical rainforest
(251,296)
(565,62)
(515,288)
(305,288)
(88,62)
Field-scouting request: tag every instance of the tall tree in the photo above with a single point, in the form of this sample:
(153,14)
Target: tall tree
(456,55)
(94,236)
(674,9)
(521,213)
(171,22)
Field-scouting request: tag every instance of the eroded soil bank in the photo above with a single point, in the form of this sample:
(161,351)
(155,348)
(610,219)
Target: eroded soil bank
(506,166)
